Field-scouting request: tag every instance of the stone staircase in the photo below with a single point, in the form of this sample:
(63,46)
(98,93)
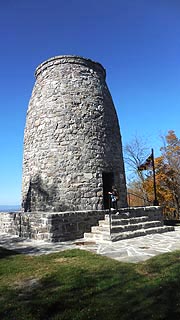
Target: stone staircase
(128,223)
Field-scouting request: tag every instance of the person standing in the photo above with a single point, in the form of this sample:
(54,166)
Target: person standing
(113,197)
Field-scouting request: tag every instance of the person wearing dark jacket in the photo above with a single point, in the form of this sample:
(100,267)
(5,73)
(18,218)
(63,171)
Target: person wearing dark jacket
(113,197)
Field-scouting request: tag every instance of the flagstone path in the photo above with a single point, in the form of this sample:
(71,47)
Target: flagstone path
(129,250)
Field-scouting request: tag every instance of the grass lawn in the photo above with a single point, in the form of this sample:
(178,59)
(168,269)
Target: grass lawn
(79,285)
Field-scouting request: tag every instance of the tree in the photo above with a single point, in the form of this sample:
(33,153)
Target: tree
(134,154)
(167,175)
(171,161)
(167,169)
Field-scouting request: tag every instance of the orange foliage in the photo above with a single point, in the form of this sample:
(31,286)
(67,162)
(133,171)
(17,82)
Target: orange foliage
(167,169)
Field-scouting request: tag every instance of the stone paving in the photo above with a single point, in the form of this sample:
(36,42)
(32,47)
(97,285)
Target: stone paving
(130,250)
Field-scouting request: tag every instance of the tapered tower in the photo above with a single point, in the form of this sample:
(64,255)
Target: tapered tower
(72,141)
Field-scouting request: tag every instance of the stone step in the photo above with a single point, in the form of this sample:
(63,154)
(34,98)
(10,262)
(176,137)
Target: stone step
(103,223)
(129,221)
(100,229)
(138,226)
(160,229)
(123,221)
(117,216)
(126,214)
(97,236)
(120,214)
(141,232)
(127,227)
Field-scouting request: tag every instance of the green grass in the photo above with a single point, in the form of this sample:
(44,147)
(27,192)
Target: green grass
(79,285)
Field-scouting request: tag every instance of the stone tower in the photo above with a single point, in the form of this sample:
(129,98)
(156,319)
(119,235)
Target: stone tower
(72,142)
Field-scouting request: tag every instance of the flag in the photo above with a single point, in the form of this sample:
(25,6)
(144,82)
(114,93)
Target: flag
(147,164)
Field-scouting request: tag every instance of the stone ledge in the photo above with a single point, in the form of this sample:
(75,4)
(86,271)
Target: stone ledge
(58,226)
(71,59)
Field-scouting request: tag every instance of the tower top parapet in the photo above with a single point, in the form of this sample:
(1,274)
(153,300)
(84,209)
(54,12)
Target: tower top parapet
(71,59)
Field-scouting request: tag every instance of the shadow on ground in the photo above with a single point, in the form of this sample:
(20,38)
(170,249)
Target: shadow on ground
(6,253)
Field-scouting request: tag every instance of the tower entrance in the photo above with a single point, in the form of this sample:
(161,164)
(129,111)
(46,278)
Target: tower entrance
(108,181)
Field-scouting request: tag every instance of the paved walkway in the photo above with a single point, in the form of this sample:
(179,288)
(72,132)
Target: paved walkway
(130,250)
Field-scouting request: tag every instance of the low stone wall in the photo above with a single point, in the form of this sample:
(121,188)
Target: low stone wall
(9,223)
(61,226)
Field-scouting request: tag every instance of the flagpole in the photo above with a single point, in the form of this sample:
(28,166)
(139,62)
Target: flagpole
(155,202)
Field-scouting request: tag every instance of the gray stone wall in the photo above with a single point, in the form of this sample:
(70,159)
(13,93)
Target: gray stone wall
(9,223)
(72,139)
(60,226)
(63,226)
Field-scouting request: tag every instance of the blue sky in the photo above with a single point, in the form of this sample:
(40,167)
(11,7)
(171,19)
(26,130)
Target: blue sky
(137,41)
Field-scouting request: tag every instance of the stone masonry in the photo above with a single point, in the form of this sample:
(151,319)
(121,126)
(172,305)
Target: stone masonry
(72,141)
(72,158)
(50,226)
(92,226)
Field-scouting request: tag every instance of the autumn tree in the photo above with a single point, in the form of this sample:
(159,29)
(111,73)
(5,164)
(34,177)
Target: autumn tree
(167,175)
(171,161)
(167,169)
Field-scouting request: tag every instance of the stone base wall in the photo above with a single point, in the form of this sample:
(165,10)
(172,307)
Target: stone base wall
(9,223)
(63,226)
(59,226)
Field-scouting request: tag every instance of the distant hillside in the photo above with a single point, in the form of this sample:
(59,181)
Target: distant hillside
(8,208)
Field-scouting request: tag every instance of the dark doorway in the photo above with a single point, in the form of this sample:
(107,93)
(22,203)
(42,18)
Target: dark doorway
(108,181)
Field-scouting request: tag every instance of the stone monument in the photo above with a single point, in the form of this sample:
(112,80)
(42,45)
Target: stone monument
(72,159)
(72,142)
